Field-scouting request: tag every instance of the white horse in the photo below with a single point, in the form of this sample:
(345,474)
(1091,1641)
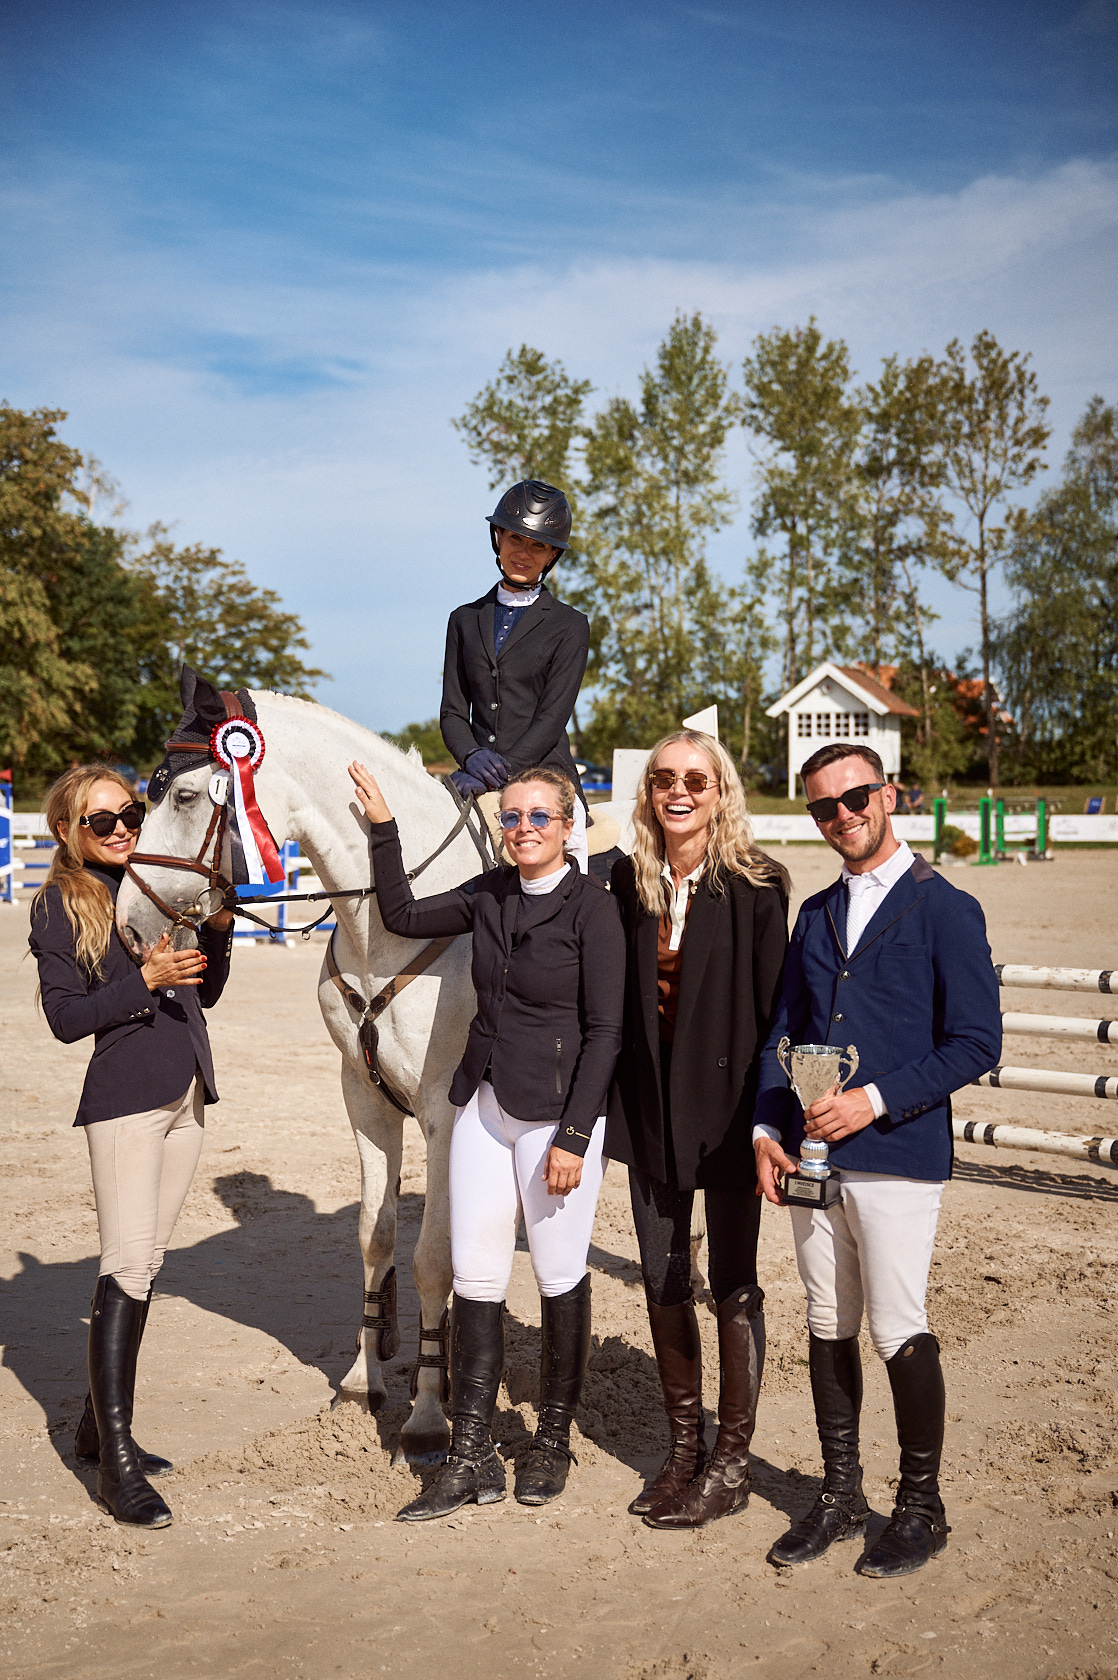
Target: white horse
(305,794)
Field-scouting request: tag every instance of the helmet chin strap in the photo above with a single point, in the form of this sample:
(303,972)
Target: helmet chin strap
(517,583)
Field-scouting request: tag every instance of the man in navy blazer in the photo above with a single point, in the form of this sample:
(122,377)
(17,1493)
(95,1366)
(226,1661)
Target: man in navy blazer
(892,960)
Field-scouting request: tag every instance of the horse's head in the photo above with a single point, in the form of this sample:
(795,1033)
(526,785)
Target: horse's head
(176,827)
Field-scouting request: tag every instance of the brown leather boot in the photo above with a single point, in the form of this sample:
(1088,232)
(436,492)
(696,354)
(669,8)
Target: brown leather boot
(679,1357)
(723,1487)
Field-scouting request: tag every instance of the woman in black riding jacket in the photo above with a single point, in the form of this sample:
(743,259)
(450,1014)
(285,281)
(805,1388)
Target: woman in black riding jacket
(530,1091)
(142,1104)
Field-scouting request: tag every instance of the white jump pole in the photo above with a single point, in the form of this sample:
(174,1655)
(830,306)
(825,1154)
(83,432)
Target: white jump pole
(1057,979)
(1056,1084)
(1104,1150)
(1061,1026)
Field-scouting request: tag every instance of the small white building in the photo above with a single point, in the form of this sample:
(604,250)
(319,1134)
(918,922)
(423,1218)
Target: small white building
(842,703)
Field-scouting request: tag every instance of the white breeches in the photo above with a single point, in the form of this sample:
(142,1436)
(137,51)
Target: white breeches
(497,1175)
(870,1249)
(142,1167)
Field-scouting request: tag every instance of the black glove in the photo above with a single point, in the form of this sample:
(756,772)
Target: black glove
(465,783)
(489,768)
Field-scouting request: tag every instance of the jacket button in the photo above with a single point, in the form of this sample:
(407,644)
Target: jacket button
(845,975)
(492,705)
(170,991)
(837,1017)
(492,737)
(723,1061)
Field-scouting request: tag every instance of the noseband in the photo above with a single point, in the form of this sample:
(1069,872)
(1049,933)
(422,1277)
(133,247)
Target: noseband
(197,865)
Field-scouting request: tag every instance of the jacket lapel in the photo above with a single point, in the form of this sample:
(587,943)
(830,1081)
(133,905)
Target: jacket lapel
(646,979)
(697,943)
(510,904)
(485,625)
(526,619)
(550,904)
(836,914)
(899,900)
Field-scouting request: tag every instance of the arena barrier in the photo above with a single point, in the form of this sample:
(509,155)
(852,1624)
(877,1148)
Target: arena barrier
(1103,1151)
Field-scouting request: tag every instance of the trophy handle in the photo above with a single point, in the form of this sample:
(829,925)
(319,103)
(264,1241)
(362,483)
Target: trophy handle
(783,1057)
(850,1054)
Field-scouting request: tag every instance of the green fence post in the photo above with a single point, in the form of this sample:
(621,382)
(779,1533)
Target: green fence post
(985,851)
(1041,847)
(939,811)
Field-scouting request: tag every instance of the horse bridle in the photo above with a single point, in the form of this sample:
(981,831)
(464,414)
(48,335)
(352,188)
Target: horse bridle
(218,824)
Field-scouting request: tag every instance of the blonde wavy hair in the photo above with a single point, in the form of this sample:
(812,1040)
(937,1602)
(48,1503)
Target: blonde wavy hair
(730,846)
(86,900)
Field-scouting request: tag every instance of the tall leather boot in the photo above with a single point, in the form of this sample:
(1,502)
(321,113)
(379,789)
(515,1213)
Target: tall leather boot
(840,1512)
(472,1471)
(115,1325)
(87,1447)
(723,1487)
(679,1359)
(918,1529)
(564,1351)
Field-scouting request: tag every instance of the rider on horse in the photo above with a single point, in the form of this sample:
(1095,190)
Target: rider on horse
(516,657)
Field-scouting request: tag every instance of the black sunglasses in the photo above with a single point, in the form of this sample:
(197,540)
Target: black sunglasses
(539,818)
(103,823)
(855,799)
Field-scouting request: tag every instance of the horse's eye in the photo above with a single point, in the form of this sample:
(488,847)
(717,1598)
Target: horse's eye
(185,797)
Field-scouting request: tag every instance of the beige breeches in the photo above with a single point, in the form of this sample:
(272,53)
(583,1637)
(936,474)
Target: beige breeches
(142,1167)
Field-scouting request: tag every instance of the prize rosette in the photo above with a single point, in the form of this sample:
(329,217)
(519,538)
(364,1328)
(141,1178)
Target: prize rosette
(238,746)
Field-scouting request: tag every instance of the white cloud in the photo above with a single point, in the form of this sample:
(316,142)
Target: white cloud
(304,426)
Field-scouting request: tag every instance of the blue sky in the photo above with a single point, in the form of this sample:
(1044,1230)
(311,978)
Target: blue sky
(263,253)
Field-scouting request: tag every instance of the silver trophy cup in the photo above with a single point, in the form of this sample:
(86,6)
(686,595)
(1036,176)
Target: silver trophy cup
(813,1070)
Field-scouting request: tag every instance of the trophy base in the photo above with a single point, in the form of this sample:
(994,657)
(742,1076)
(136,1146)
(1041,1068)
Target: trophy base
(809,1192)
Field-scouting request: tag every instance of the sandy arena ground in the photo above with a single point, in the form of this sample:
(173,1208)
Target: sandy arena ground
(284,1560)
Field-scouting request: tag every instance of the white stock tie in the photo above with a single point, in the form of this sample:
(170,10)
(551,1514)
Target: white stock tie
(859,907)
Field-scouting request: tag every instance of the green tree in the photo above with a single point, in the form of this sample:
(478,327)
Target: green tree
(654,494)
(523,423)
(992,439)
(1057,649)
(900,530)
(39,685)
(218,621)
(426,738)
(805,423)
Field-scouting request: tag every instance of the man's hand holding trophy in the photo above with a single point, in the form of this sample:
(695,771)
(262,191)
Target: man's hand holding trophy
(814,1071)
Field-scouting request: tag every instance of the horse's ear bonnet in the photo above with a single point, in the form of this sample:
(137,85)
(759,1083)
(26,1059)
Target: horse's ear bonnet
(202,709)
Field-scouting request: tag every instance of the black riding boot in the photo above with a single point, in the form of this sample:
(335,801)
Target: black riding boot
(840,1512)
(88,1448)
(472,1470)
(918,1529)
(564,1350)
(115,1326)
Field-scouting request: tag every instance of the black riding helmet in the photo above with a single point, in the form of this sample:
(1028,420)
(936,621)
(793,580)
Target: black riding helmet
(537,510)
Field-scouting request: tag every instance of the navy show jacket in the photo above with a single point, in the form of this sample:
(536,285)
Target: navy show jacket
(549,974)
(147,1046)
(918,999)
(517,702)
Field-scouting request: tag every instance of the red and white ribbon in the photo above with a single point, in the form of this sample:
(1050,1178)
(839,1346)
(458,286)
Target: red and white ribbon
(238,745)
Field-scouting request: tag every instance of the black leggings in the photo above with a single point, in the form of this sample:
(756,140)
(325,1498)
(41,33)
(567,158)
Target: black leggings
(662,1216)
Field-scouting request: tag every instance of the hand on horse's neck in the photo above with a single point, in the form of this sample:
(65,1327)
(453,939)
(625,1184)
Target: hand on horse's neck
(685,853)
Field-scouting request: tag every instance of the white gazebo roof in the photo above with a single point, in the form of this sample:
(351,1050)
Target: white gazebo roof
(876,696)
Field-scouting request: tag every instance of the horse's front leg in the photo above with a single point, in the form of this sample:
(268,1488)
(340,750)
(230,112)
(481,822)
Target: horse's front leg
(378,1130)
(425,1437)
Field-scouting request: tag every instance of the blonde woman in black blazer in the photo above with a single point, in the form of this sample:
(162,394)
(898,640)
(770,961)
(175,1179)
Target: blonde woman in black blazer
(706,924)
(548,968)
(142,1106)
